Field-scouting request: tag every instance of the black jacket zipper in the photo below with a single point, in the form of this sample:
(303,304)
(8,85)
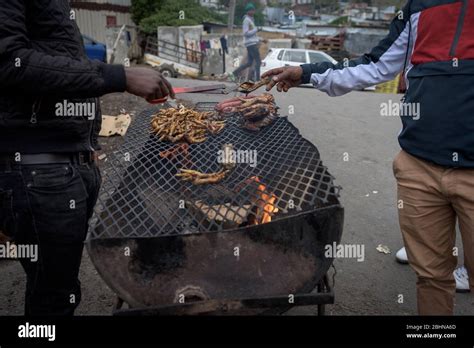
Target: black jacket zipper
(92,125)
(457,36)
(34,111)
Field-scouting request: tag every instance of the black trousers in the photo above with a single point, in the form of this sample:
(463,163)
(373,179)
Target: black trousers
(49,206)
(253,57)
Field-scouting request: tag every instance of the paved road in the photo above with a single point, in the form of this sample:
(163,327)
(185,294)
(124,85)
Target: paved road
(347,126)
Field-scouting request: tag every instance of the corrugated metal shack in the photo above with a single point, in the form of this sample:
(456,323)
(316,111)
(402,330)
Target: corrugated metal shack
(102,20)
(94,16)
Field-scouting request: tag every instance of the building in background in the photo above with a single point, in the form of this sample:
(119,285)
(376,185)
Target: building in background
(94,16)
(210,3)
(104,21)
(290,2)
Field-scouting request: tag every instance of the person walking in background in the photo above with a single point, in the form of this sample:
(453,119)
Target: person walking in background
(251,42)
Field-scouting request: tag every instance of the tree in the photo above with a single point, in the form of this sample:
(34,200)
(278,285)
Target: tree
(141,9)
(150,14)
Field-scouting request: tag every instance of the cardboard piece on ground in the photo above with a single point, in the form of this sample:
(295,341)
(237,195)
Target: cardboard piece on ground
(112,125)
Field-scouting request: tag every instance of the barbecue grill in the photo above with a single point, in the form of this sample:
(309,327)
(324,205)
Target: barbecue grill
(252,243)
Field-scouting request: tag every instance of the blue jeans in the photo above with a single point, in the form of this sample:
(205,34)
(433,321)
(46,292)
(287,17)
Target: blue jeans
(48,206)
(253,56)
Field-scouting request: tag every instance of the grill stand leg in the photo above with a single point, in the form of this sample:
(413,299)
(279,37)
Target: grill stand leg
(119,303)
(325,288)
(321,307)
(324,296)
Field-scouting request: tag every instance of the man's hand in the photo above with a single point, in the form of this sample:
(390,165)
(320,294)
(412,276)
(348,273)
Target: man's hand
(147,83)
(284,78)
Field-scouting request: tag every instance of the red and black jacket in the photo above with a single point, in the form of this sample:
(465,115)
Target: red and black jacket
(434,41)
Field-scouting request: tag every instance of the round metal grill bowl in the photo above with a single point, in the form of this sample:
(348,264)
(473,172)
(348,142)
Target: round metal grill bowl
(153,254)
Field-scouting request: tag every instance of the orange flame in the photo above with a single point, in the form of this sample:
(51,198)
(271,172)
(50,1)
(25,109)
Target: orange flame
(265,204)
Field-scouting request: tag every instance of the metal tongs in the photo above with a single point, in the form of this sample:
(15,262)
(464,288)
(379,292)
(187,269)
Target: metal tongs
(245,87)
(198,89)
(249,86)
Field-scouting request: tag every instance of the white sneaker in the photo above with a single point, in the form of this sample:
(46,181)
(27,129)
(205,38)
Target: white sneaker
(401,256)
(462,279)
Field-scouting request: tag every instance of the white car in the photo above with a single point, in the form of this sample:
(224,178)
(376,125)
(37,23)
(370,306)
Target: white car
(280,57)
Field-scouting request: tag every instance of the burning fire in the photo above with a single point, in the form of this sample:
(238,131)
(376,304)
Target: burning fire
(265,204)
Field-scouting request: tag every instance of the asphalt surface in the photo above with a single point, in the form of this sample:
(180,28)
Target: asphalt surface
(358,146)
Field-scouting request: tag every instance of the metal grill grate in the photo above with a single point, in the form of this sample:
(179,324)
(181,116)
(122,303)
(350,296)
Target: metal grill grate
(141,196)
(205,106)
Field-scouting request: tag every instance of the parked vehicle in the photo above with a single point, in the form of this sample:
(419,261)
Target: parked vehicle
(94,49)
(280,57)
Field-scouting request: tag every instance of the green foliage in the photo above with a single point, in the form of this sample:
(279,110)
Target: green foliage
(344,20)
(151,14)
(224,3)
(141,9)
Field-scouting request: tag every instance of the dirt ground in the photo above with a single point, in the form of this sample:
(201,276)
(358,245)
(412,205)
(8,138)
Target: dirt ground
(352,125)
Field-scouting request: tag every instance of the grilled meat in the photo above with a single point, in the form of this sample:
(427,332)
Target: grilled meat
(198,178)
(183,124)
(250,86)
(256,111)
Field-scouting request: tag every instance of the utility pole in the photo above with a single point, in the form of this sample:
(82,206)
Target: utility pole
(230,21)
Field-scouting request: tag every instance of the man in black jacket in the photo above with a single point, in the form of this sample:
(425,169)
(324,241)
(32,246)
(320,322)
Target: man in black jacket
(49,123)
